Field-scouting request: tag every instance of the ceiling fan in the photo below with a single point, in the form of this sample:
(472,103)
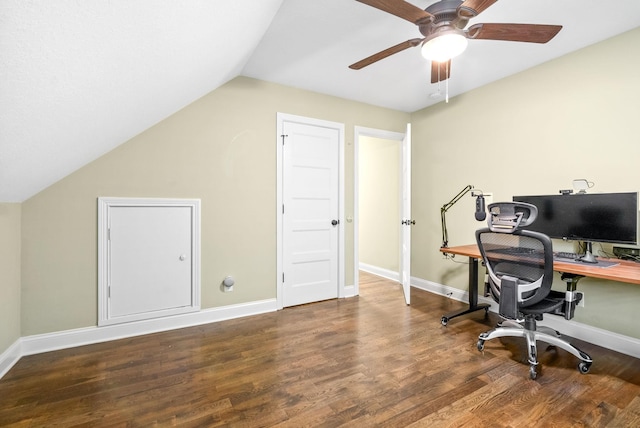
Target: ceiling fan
(443,26)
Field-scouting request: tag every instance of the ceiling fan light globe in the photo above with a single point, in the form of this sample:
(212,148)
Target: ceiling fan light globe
(444,47)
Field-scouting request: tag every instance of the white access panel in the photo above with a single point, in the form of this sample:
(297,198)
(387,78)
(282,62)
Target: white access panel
(149,260)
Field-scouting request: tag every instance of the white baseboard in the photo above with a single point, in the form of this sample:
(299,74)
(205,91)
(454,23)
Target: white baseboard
(85,336)
(9,357)
(385,273)
(444,290)
(607,339)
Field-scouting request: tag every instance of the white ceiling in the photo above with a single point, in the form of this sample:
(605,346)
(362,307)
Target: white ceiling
(310,45)
(78,78)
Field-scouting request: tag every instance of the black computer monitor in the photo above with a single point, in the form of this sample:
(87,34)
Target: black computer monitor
(589,217)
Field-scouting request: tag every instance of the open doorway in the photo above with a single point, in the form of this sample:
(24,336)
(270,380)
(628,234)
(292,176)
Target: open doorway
(379,206)
(382,205)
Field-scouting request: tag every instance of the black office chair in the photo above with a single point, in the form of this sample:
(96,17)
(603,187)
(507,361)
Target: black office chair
(519,264)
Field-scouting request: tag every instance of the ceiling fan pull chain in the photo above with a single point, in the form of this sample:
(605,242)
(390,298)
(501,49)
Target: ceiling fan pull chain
(446,83)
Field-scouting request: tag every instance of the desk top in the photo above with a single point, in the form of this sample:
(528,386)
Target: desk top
(624,271)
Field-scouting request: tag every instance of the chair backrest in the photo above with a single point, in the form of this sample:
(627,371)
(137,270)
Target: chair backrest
(519,262)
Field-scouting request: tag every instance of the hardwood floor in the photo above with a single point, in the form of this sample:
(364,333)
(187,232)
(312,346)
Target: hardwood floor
(365,361)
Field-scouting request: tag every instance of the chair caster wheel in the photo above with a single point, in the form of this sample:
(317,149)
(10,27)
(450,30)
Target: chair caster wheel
(444,321)
(532,372)
(480,345)
(584,367)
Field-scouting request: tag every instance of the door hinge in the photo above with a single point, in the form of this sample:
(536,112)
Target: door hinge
(282,208)
(408,222)
(283,137)
(109,234)
(282,276)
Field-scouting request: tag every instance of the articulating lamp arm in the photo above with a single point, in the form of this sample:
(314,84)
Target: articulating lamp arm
(445,208)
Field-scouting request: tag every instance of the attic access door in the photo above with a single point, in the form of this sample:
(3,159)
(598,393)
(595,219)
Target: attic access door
(148,258)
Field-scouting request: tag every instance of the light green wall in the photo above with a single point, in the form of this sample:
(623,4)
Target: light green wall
(9,274)
(535,132)
(532,133)
(379,202)
(221,149)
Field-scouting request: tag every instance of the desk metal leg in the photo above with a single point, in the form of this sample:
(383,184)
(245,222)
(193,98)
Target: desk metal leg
(473,294)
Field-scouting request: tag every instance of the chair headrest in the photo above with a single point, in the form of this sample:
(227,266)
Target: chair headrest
(507,217)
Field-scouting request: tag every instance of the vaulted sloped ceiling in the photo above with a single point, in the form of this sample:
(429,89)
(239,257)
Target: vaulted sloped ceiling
(80,77)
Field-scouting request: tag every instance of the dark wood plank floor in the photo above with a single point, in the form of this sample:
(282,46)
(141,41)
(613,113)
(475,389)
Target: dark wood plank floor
(361,362)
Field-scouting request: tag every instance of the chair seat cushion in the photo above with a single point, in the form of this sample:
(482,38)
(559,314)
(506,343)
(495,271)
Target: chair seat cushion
(553,303)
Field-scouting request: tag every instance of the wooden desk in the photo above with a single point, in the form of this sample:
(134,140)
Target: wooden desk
(624,271)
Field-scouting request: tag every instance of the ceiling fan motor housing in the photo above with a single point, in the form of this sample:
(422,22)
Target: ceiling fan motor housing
(446,18)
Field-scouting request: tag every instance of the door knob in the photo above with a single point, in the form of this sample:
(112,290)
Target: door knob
(335,222)
(182,257)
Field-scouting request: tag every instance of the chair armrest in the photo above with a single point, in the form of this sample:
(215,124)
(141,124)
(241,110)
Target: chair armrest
(508,304)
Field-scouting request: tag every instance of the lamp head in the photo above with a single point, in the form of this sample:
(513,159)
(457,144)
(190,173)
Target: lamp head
(443,45)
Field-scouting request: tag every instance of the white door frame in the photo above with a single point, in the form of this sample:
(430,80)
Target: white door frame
(361,131)
(343,291)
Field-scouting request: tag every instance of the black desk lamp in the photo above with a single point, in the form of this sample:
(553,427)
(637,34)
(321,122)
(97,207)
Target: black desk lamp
(480,211)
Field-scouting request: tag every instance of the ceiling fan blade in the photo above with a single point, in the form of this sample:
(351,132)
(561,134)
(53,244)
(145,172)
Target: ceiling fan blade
(402,9)
(532,33)
(471,8)
(440,71)
(385,53)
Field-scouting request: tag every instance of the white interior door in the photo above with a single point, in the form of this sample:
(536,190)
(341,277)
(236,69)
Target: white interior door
(407,222)
(150,260)
(311,215)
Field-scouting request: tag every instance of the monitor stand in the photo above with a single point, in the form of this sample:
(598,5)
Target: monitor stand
(588,256)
